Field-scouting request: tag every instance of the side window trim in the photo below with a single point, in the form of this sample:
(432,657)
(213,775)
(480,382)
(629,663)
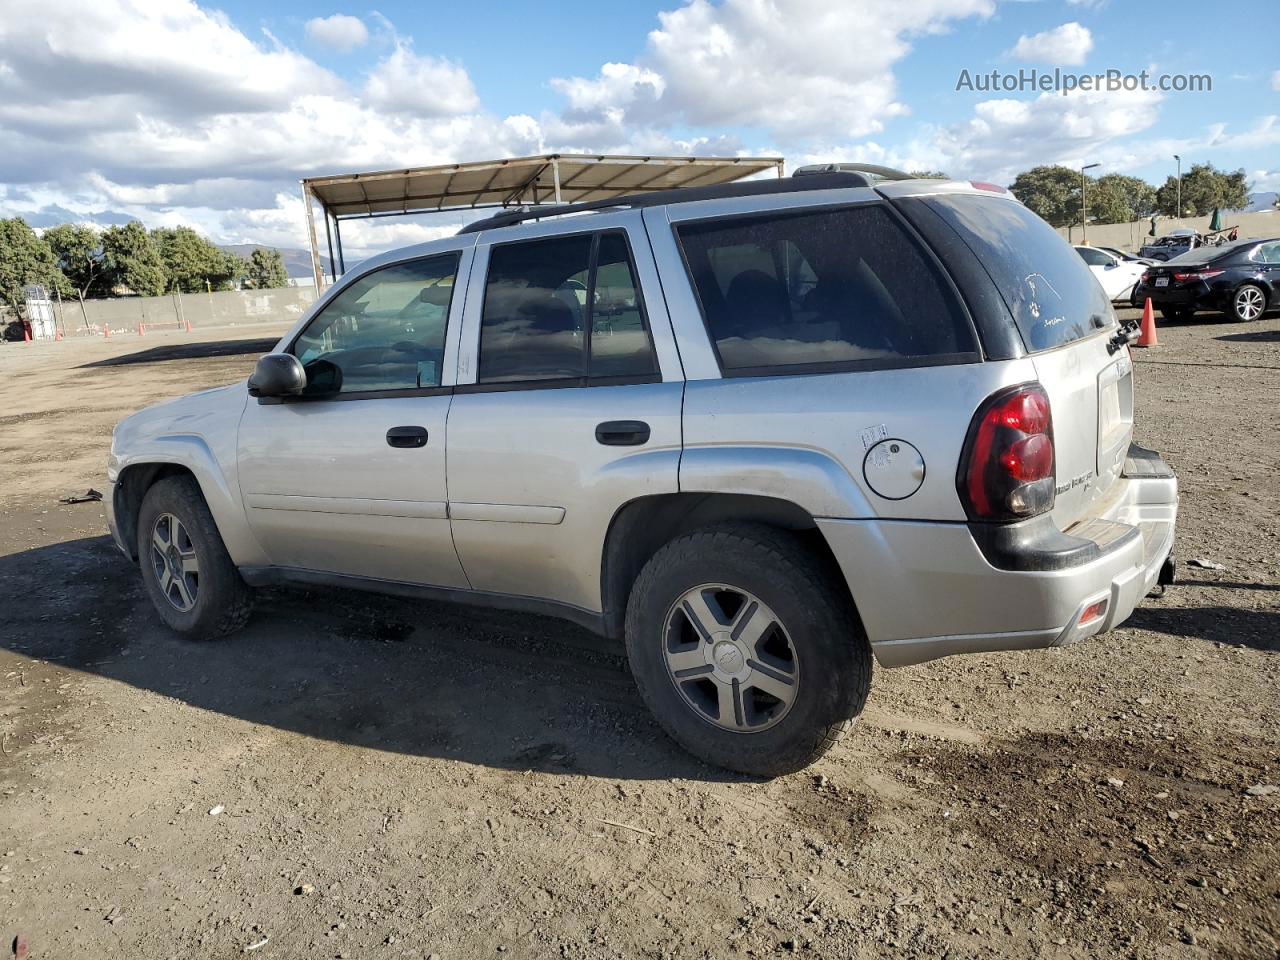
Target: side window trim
(471,326)
(464,257)
(948,285)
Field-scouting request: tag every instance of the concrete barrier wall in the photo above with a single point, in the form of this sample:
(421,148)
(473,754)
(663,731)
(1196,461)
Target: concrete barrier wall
(1130,236)
(175,311)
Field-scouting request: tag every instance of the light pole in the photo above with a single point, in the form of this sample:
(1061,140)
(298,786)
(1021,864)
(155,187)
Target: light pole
(1178,212)
(1084,206)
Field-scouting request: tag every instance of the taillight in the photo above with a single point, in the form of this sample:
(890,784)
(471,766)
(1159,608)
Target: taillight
(984,185)
(1195,275)
(1006,472)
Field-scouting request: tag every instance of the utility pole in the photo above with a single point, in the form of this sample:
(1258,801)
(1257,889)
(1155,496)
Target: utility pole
(1178,213)
(1084,206)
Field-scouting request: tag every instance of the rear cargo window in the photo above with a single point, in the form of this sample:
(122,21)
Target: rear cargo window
(830,289)
(1049,290)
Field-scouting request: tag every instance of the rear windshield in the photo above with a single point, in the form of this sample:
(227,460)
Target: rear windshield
(1049,290)
(825,289)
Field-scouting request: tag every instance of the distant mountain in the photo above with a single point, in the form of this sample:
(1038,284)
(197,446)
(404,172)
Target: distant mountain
(297,262)
(1259,202)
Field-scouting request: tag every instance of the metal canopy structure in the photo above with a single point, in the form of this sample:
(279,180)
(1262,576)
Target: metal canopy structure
(559,178)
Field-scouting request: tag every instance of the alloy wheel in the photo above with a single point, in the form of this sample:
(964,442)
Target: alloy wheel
(174,562)
(730,658)
(1249,303)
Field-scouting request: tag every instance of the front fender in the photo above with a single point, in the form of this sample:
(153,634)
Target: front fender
(196,434)
(193,454)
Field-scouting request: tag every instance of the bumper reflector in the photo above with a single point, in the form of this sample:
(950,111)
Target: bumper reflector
(1094,611)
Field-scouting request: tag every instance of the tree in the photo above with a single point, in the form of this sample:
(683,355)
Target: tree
(78,251)
(192,263)
(1051,192)
(266,269)
(929,175)
(26,259)
(1204,187)
(130,259)
(1116,198)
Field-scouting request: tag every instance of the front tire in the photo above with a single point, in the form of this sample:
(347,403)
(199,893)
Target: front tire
(186,571)
(1248,303)
(747,649)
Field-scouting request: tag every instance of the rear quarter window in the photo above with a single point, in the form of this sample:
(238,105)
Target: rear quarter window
(822,290)
(1048,288)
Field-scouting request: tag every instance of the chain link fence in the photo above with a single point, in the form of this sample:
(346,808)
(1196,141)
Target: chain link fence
(176,311)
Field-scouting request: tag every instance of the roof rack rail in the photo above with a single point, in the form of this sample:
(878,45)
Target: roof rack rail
(819,180)
(875,170)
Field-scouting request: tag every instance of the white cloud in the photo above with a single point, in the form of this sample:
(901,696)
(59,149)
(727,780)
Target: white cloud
(808,69)
(427,86)
(1064,46)
(619,86)
(1275,81)
(339,32)
(1004,136)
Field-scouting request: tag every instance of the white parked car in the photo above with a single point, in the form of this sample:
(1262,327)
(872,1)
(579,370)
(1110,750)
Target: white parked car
(1118,277)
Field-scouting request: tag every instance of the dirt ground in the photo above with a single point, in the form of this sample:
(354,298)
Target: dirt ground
(362,777)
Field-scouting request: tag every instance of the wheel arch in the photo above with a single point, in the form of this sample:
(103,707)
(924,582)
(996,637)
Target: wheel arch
(642,526)
(182,456)
(131,487)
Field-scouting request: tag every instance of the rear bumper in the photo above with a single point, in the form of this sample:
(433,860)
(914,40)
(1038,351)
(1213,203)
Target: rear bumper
(929,590)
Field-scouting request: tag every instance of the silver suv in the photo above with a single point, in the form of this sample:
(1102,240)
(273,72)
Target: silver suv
(762,432)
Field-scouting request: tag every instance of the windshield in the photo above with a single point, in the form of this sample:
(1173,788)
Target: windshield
(1052,295)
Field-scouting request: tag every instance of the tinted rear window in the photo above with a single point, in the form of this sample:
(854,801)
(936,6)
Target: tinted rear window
(1052,295)
(821,289)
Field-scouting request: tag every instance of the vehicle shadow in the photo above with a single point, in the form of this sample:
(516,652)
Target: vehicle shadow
(505,690)
(188,351)
(1230,585)
(1256,629)
(1256,336)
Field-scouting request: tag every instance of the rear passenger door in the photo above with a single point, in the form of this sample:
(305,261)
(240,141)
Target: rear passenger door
(567,404)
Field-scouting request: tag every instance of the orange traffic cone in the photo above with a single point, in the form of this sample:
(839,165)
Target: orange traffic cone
(188,326)
(141,330)
(106,332)
(57,336)
(26,333)
(1148,336)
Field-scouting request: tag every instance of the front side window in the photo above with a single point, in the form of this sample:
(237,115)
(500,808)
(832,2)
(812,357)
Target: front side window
(828,287)
(563,308)
(383,332)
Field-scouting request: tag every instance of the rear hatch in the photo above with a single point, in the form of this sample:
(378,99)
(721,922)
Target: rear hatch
(1067,325)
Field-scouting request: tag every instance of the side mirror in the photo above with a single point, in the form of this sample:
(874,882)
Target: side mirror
(278,375)
(1111,265)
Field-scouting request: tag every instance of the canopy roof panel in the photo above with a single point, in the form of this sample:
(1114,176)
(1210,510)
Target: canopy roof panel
(567,178)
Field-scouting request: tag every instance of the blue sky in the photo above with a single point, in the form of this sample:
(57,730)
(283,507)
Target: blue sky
(173,111)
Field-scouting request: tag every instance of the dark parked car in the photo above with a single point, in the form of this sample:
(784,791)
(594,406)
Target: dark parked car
(1241,279)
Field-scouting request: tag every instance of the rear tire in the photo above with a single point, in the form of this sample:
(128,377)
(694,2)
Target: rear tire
(186,571)
(778,669)
(1248,303)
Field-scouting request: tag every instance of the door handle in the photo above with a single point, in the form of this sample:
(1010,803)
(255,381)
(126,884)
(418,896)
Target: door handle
(407,436)
(622,433)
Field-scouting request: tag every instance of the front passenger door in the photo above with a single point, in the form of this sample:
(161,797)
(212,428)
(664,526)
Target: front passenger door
(350,478)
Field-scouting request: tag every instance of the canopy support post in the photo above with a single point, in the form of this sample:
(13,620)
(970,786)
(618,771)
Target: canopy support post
(340,267)
(555,176)
(316,270)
